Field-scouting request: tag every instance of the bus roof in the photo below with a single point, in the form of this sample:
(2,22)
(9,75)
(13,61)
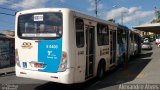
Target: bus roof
(94,18)
(77,13)
(123,27)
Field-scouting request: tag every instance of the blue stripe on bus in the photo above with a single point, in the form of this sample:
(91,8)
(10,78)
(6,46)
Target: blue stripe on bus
(49,53)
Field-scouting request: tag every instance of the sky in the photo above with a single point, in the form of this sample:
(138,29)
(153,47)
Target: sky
(134,12)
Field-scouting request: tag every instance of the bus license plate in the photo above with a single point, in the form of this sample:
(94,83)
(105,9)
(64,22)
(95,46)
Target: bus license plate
(38,65)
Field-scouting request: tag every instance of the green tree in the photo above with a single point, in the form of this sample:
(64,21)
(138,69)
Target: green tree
(157,20)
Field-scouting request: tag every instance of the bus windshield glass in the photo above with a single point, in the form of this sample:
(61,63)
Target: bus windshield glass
(40,26)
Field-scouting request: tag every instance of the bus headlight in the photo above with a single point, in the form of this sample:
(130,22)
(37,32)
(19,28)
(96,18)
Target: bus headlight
(17,58)
(63,63)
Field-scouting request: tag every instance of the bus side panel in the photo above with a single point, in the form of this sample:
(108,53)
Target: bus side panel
(68,45)
(80,54)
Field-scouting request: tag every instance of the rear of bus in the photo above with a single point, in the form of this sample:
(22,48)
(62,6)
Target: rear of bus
(39,45)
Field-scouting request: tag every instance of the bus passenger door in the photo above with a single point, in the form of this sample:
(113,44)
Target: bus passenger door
(113,45)
(90,50)
(80,51)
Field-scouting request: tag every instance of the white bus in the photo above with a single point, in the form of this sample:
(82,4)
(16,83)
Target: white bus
(64,46)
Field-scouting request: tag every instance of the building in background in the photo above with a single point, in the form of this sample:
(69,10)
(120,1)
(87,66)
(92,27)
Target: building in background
(144,34)
(7,51)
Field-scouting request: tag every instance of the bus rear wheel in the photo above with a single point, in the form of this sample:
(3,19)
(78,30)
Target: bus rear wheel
(124,61)
(101,71)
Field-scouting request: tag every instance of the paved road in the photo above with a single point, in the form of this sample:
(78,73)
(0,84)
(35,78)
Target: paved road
(143,69)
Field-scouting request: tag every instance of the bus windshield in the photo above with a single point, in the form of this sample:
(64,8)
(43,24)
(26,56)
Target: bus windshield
(40,26)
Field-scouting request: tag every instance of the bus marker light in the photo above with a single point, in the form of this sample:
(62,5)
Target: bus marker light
(37,41)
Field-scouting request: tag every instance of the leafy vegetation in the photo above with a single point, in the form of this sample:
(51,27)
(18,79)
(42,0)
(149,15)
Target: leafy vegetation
(157,20)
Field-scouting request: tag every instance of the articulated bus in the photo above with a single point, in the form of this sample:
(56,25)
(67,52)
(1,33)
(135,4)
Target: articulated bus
(65,46)
(129,40)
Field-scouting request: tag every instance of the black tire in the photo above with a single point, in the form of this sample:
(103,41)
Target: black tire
(124,61)
(100,71)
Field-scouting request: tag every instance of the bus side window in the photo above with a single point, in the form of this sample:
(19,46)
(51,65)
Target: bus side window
(79,33)
(102,34)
